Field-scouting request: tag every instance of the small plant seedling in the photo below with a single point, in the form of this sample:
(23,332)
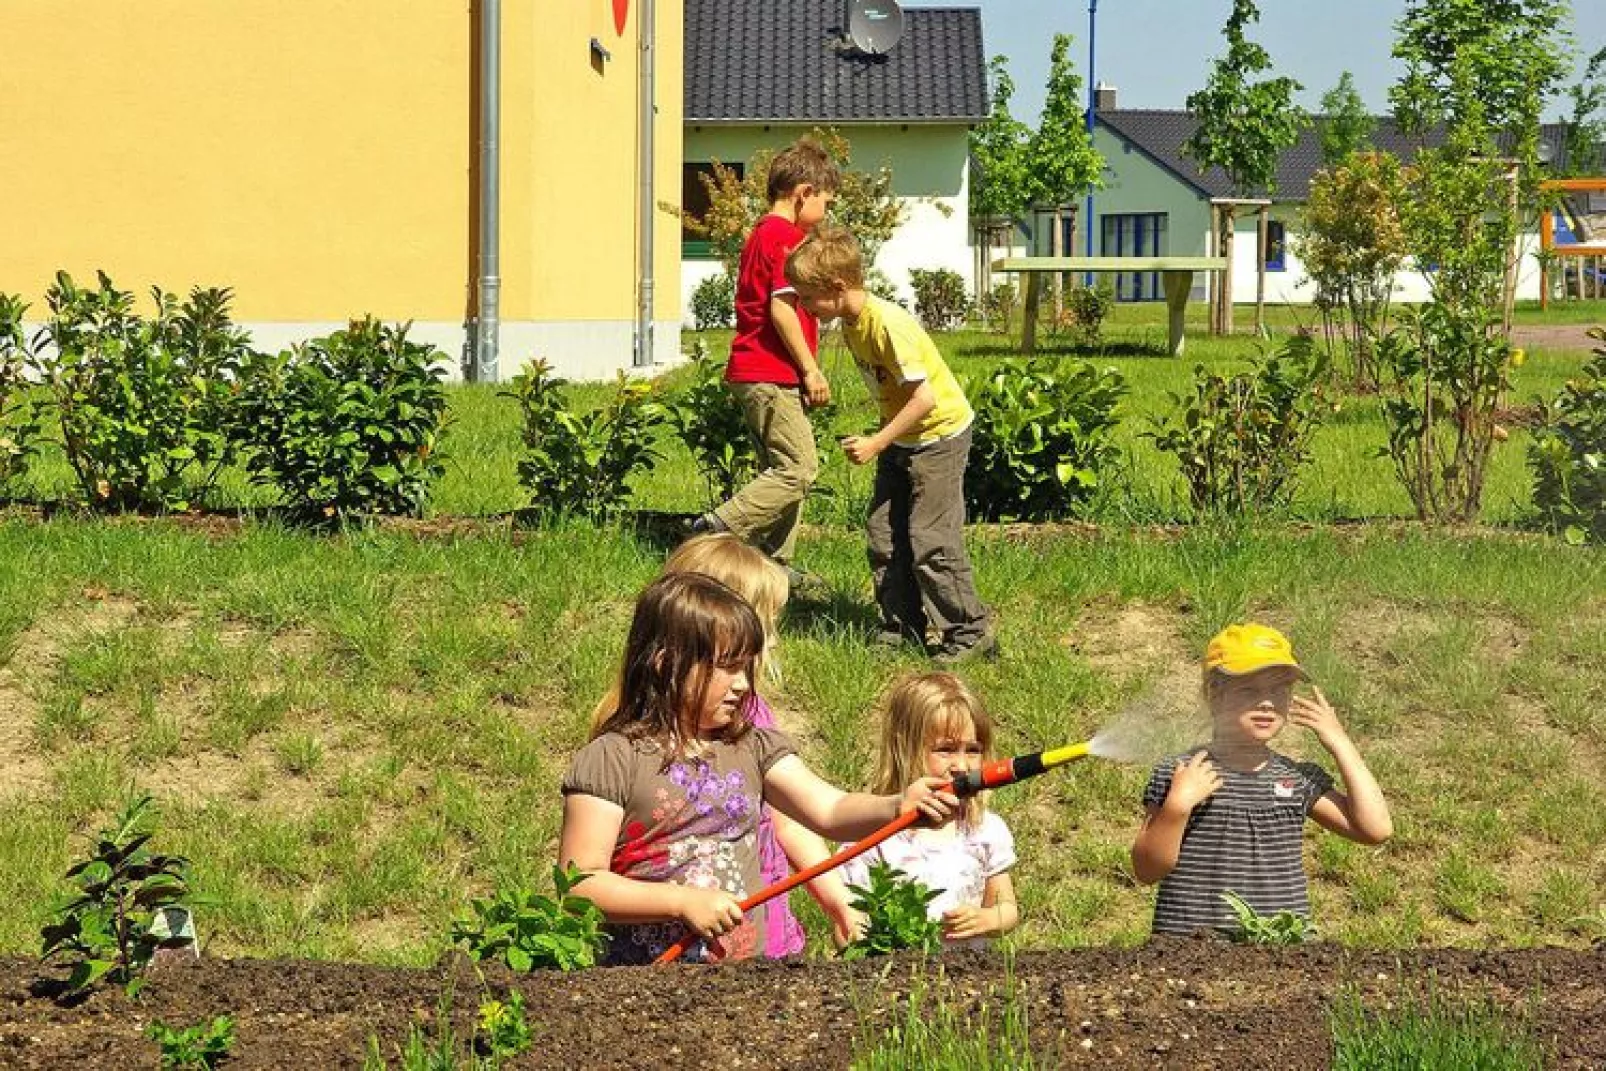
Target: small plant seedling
(504,1030)
(1283,928)
(895,906)
(202,1046)
(106,930)
(526,930)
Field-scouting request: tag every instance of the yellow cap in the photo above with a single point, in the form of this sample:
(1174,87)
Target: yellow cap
(1240,649)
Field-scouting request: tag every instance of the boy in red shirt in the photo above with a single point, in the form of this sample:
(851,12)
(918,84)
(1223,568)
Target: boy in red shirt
(773,371)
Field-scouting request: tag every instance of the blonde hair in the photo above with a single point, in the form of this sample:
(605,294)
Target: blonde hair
(829,257)
(747,572)
(802,163)
(920,709)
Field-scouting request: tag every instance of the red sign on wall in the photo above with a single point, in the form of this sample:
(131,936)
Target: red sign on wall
(621,12)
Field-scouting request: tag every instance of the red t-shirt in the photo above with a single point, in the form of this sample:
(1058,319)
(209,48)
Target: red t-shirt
(757,353)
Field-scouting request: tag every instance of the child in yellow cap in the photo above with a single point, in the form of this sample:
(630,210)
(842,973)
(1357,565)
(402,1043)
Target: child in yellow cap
(1229,817)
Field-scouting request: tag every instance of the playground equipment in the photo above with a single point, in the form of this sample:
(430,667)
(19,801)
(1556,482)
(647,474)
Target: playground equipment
(1562,234)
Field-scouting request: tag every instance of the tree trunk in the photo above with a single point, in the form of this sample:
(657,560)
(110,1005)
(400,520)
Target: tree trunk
(1260,273)
(1228,212)
(1055,248)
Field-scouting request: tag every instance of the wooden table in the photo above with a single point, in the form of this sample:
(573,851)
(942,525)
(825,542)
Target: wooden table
(1176,274)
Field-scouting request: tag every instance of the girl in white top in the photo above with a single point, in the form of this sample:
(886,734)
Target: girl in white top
(935,726)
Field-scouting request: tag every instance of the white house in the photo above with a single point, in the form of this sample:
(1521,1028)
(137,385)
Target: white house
(761,73)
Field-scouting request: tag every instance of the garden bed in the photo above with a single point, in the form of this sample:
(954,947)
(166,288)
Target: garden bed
(1177,1004)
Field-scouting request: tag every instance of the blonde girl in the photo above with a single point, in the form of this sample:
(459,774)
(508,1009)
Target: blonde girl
(660,809)
(935,726)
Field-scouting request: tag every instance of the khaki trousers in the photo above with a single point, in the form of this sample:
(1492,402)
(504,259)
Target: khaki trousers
(767,512)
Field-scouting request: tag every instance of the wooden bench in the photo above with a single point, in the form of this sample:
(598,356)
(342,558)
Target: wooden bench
(1176,275)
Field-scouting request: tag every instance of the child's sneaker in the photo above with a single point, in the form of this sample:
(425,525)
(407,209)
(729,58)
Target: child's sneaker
(985,648)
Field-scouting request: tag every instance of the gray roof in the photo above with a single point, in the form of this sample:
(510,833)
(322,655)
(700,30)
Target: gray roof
(788,61)
(1160,136)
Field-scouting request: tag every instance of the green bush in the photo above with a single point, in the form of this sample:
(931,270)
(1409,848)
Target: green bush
(582,463)
(348,425)
(1241,439)
(881,285)
(526,930)
(940,298)
(711,425)
(19,423)
(1568,455)
(997,307)
(1043,434)
(146,407)
(1087,306)
(894,906)
(713,302)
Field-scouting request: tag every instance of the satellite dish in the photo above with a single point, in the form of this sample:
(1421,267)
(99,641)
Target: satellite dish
(874,26)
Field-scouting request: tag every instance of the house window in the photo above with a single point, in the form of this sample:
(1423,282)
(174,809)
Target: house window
(1276,246)
(1138,234)
(694,203)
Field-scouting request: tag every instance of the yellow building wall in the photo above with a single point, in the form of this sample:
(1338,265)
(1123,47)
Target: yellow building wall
(318,155)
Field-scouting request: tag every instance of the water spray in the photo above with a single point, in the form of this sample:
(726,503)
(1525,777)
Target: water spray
(990,775)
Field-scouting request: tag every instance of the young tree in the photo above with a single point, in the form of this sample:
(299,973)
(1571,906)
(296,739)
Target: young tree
(998,174)
(1061,163)
(1347,125)
(1586,129)
(1244,127)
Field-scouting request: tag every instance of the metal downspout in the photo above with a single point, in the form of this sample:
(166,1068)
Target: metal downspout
(487,331)
(647,15)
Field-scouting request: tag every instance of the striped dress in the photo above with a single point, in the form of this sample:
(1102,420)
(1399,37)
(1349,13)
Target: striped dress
(1245,839)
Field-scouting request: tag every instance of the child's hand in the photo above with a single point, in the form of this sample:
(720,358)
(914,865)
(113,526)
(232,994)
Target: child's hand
(847,926)
(962,923)
(930,796)
(1317,714)
(816,388)
(861,448)
(709,912)
(1193,782)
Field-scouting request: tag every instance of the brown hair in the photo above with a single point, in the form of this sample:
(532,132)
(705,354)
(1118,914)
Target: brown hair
(802,163)
(828,257)
(920,710)
(684,626)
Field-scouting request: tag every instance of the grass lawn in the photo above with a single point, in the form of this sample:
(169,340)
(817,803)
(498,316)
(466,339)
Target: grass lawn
(351,735)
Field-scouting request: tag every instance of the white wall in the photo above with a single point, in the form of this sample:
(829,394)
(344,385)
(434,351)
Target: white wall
(930,177)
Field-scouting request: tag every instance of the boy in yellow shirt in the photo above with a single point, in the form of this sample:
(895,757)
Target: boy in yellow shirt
(917,510)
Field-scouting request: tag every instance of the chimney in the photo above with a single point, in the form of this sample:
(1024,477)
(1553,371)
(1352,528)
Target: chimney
(1104,98)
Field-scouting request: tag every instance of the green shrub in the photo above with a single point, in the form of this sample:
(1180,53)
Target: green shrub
(582,463)
(895,909)
(1241,439)
(1042,436)
(711,425)
(940,298)
(713,302)
(196,1048)
(19,423)
(1568,455)
(1283,928)
(146,407)
(881,285)
(112,926)
(348,425)
(526,930)
(997,307)
(1087,306)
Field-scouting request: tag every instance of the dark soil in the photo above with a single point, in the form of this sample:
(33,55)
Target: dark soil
(1173,1004)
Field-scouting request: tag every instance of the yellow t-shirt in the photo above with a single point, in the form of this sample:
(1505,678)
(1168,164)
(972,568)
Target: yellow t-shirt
(895,355)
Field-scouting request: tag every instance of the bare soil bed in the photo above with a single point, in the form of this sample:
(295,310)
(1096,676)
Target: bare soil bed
(1172,1004)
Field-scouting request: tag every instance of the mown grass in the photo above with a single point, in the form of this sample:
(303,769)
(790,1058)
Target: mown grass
(351,735)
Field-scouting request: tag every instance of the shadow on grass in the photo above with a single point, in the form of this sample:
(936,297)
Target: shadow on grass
(830,609)
(1003,348)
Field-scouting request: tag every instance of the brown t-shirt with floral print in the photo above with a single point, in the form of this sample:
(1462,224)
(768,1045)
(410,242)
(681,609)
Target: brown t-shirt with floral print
(692,822)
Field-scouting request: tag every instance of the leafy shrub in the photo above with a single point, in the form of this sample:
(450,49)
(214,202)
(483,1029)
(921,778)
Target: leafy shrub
(1241,439)
(713,302)
(1041,437)
(881,285)
(713,428)
(146,407)
(997,306)
(1444,373)
(1568,455)
(582,463)
(895,910)
(109,928)
(196,1048)
(19,424)
(527,931)
(940,298)
(1086,307)
(1283,928)
(349,424)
